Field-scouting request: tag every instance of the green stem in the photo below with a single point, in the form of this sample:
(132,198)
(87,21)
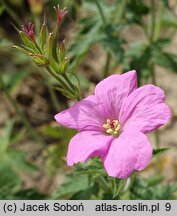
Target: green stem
(57,78)
(157,141)
(60,80)
(20,113)
(157,138)
(152,24)
(72,86)
(101,12)
(159,21)
(79,85)
(68,81)
(152,71)
(107,65)
(120,13)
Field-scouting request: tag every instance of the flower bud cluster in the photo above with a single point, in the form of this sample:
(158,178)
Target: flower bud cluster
(44,49)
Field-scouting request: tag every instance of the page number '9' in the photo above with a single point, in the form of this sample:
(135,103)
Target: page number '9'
(167,206)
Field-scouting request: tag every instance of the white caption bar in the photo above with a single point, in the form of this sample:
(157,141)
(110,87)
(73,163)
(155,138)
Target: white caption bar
(88,207)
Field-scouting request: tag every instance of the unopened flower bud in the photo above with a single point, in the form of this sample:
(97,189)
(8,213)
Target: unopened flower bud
(39,60)
(62,50)
(63,65)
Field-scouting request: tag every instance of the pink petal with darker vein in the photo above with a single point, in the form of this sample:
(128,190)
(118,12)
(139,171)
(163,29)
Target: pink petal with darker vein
(84,115)
(145,109)
(87,144)
(112,91)
(129,152)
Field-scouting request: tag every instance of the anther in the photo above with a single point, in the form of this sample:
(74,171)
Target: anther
(112,127)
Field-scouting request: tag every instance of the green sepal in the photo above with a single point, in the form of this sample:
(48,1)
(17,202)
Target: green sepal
(28,42)
(29,50)
(63,66)
(43,35)
(54,65)
(61,51)
(39,60)
(48,51)
(54,43)
(21,49)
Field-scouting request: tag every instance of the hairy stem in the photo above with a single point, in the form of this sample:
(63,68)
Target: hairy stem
(72,86)
(57,78)
(65,84)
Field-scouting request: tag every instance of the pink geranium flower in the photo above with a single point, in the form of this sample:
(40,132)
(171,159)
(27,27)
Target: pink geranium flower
(112,124)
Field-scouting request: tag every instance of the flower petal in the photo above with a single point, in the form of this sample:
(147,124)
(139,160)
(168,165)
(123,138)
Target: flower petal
(130,151)
(145,109)
(87,144)
(83,115)
(112,91)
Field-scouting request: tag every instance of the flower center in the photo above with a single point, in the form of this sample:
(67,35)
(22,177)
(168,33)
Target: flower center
(112,127)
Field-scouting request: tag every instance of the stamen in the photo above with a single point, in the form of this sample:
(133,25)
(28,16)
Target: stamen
(112,127)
